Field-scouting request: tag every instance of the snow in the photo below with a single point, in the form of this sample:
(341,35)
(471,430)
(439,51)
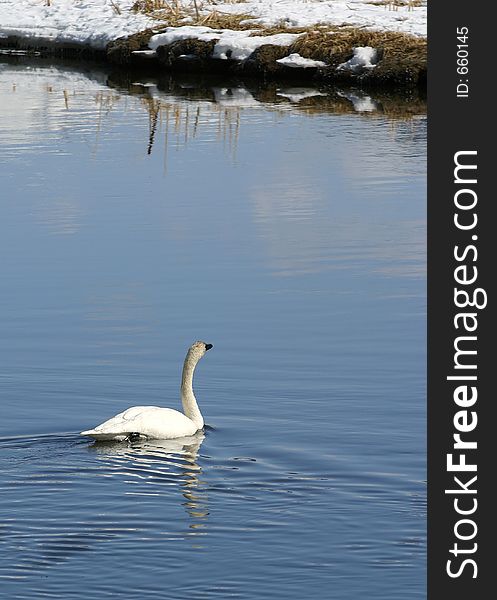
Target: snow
(359,13)
(364,58)
(97,22)
(297,61)
(237,45)
(186,32)
(90,22)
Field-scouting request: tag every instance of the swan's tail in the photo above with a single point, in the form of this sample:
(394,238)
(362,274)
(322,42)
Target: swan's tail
(103,436)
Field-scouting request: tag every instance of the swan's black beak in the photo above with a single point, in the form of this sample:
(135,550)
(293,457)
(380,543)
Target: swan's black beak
(208,346)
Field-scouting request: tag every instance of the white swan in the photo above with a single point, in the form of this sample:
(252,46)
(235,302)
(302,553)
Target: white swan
(153,422)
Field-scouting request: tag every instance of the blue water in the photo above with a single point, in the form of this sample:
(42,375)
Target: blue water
(136,220)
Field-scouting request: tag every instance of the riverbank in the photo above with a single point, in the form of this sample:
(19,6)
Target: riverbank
(367,43)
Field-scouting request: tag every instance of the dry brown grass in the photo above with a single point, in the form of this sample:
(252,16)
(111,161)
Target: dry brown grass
(335,46)
(396,4)
(171,13)
(275,29)
(219,20)
(115,7)
(148,6)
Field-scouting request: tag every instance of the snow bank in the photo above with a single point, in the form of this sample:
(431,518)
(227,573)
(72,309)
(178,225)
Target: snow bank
(88,22)
(237,45)
(187,32)
(358,13)
(297,61)
(97,22)
(364,58)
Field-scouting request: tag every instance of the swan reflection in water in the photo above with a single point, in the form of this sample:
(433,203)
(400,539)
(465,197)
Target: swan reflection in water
(152,466)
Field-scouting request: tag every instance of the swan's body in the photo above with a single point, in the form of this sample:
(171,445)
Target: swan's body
(154,422)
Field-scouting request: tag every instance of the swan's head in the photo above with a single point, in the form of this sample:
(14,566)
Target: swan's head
(197,350)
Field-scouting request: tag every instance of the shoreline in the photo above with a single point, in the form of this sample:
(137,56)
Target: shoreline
(400,58)
(366,43)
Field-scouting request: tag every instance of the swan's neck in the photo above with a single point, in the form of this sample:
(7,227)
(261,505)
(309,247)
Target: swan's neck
(190,406)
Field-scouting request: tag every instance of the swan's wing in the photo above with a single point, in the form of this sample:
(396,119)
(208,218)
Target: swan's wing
(128,415)
(151,421)
(123,424)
